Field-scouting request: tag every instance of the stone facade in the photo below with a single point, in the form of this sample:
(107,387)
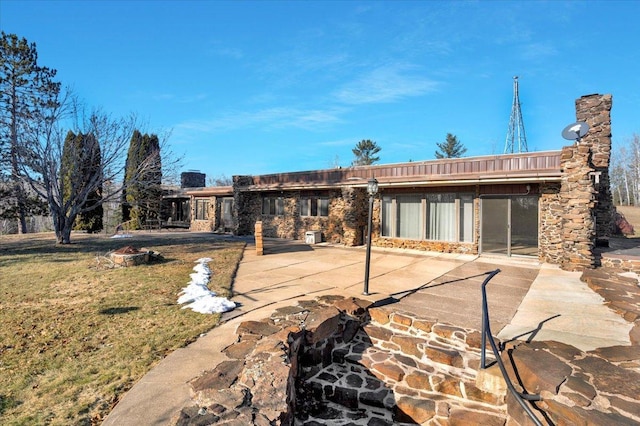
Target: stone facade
(343,225)
(575,210)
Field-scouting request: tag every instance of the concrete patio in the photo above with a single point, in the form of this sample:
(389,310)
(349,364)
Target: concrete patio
(527,301)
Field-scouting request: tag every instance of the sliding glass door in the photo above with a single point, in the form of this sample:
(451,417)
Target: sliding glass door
(509,225)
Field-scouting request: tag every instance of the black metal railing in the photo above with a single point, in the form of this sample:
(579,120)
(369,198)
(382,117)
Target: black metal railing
(486,333)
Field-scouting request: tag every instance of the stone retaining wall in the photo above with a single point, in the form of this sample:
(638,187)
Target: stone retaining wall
(620,261)
(330,359)
(340,361)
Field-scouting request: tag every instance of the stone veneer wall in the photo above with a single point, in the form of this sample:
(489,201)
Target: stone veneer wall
(355,204)
(345,223)
(550,235)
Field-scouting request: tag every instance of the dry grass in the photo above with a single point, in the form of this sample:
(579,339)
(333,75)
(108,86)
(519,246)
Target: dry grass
(632,214)
(76,336)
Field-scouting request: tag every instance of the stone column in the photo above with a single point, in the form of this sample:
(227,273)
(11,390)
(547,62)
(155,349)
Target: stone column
(577,197)
(551,232)
(242,210)
(595,110)
(354,215)
(585,196)
(258,236)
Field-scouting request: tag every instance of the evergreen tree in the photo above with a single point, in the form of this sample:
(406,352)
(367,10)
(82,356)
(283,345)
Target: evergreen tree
(27,90)
(142,192)
(365,153)
(450,148)
(81,164)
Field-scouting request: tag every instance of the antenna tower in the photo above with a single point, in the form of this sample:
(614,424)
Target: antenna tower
(516,137)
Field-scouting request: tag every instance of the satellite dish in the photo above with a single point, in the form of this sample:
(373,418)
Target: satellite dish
(575,131)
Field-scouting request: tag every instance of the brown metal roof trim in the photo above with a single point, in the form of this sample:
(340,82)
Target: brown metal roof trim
(211,191)
(523,167)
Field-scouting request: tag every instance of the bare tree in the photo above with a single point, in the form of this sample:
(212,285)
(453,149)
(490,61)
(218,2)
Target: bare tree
(625,172)
(220,180)
(41,162)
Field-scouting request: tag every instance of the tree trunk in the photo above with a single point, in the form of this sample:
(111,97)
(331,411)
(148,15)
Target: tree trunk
(626,187)
(62,226)
(22,216)
(63,235)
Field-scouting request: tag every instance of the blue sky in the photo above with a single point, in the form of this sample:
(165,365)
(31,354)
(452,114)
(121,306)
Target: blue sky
(264,87)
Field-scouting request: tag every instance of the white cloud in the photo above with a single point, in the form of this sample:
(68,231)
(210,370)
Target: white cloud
(386,84)
(339,142)
(276,117)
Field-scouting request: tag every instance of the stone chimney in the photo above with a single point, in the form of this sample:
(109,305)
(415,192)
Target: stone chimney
(192,179)
(585,193)
(595,110)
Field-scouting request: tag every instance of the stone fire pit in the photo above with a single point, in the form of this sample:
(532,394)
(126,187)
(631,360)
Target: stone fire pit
(130,256)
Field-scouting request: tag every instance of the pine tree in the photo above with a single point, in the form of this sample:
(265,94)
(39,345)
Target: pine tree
(450,148)
(365,152)
(143,176)
(81,164)
(26,90)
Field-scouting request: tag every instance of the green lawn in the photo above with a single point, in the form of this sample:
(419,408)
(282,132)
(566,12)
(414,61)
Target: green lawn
(76,334)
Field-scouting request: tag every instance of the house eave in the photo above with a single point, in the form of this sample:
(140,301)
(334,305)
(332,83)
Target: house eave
(405,183)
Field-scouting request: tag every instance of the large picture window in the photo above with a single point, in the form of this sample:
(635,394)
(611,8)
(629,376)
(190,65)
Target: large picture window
(441,209)
(314,206)
(432,216)
(409,216)
(273,206)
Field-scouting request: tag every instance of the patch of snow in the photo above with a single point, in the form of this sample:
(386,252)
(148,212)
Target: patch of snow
(197,294)
(122,236)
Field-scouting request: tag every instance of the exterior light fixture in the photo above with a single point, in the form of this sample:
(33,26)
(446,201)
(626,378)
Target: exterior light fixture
(372,187)
(372,190)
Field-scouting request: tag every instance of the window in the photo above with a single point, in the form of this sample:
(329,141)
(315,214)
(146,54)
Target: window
(387,216)
(441,209)
(314,206)
(273,206)
(466,219)
(409,216)
(202,209)
(432,216)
